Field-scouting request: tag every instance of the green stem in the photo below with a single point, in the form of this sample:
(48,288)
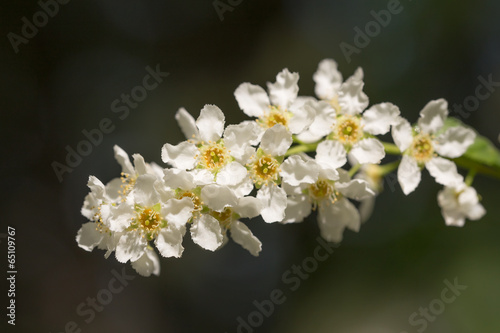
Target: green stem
(354,169)
(466,163)
(391,148)
(470,177)
(389,167)
(303,148)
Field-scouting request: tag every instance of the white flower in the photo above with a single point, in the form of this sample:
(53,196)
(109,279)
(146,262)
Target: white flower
(208,201)
(328,193)
(145,216)
(458,203)
(97,208)
(281,106)
(328,80)
(371,173)
(264,170)
(421,147)
(345,120)
(246,207)
(214,158)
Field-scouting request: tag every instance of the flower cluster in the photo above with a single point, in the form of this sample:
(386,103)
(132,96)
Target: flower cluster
(300,154)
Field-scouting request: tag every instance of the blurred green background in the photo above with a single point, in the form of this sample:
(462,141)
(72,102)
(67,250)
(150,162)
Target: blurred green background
(65,78)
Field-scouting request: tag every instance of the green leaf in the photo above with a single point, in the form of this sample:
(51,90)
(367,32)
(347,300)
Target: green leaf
(484,152)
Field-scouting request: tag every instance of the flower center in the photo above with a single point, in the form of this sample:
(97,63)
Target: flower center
(265,169)
(348,129)
(273,117)
(225,217)
(195,198)
(321,190)
(148,221)
(214,156)
(422,148)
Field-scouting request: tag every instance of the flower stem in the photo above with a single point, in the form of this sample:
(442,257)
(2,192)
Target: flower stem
(391,148)
(470,177)
(302,148)
(469,164)
(389,167)
(354,169)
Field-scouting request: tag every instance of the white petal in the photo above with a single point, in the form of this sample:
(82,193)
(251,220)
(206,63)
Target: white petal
(113,189)
(467,196)
(210,123)
(202,176)
(322,124)
(378,119)
(296,171)
(96,187)
(243,236)
(147,264)
(243,188)
(368,150)
(331,154)
(206,232)
(182,156)
(402,134)
(177,211)
(274,201)
(352,99)
(248,207)
(89,236)
(231,174)
(122,158)
(476,212)
(284,91)
(154,169)
(252,99)
(140,165)
(176,178)
(131,246)
(454,142)
(328,79)
(334,218)
(409,174)
(330,174)
(444,171)
(356,189)
(433,115)
(298,207)
(276,140)
(187,124)
(122,215)
(239,138)
(302,116)
(217,197)
(453,218)
(144,192)
(366,208)
(169,242)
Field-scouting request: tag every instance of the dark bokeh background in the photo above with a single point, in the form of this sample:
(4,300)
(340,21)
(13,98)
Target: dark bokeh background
(66,77)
